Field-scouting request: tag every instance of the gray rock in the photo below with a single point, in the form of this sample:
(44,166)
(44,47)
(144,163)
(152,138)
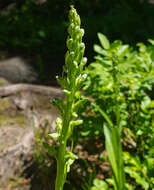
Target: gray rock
(16,70)
(12,159)
(20,116)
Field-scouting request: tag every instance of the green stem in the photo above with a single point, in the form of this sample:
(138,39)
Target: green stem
(61,162)
(60,178)
(106,117)
(72,144)
(116,90)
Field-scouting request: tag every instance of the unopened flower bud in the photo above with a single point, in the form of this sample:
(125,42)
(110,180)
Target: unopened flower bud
(71,29)
(67,92)
(77,122)
(54,136)
(75,64)
(82,32)
(69,43)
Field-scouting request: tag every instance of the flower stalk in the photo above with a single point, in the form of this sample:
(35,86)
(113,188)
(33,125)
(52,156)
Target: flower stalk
(71,81)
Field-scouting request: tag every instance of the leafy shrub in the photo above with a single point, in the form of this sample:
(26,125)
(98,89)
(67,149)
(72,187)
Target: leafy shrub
(134,71)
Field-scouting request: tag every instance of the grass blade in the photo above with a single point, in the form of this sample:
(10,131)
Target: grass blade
(114,150)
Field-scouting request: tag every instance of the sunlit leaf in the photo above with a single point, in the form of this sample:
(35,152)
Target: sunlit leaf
(104,41)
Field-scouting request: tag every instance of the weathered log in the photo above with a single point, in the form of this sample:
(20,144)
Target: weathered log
(13,89)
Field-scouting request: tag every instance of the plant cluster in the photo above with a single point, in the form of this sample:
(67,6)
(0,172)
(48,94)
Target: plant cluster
(116,103)
(128,74)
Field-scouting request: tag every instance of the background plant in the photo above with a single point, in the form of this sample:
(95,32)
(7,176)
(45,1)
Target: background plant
(43,163)
(112,129)
(135,73)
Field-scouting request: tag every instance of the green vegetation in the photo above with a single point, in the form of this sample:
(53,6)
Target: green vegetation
(120,82)
(110,101)
(71,82)
(117,91)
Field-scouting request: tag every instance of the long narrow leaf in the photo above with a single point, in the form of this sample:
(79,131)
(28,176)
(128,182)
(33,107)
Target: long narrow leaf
(114,150)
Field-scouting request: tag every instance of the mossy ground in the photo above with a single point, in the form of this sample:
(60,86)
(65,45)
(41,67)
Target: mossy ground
(18,120)
(5,104)
(3,82)
(9,115)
